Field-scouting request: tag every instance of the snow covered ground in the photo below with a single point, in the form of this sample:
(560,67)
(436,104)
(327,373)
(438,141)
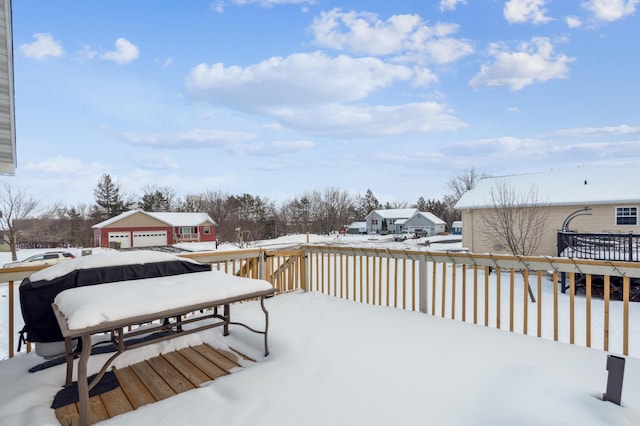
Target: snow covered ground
(340,362)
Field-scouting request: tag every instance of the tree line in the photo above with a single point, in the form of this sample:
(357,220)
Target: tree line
(26,224)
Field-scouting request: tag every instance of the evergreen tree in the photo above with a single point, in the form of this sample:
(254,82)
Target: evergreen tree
(154,202)
(110,200)
(366,204)
(421,205)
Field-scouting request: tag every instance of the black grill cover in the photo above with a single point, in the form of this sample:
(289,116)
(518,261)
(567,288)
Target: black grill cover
(36,297)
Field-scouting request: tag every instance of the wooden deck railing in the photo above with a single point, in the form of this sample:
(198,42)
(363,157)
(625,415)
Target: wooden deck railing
(491,290)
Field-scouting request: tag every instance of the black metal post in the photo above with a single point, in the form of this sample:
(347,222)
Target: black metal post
(615,366)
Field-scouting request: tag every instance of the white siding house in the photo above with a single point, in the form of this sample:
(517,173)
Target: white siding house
(7,106)
(394,219)
(398,220)
(613,194)
(425,223)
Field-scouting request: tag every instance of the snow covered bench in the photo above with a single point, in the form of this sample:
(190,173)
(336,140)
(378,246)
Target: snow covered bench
(161,301)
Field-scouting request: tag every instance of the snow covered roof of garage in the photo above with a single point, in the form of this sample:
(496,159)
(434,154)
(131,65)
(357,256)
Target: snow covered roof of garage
(170,218)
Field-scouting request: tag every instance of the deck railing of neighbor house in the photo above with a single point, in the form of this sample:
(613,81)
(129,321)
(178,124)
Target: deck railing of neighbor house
(601,246)
(517,294)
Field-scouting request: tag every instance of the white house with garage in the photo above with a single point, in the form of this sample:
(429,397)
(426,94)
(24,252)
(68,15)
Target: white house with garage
(137,228)
(395,221)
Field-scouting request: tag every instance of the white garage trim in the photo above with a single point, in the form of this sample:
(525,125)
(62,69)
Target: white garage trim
(122,237)
(149,238)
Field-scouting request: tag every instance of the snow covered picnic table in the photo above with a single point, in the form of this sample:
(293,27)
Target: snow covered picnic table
(115,307)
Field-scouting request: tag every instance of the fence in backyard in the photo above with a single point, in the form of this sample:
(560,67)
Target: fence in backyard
(518,294)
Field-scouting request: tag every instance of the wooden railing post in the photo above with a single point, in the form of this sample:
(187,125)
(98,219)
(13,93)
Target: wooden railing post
(305,270)
(423,291)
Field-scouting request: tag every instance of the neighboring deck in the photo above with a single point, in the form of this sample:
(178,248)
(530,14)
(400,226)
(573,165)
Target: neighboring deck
(154,380)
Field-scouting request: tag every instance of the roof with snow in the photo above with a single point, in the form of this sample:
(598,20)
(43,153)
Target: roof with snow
(580,186)
(170,218)
(394,213)
(432,218)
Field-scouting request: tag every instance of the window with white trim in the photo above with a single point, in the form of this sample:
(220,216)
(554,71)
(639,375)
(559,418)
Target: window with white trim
(207,230)
(626,215)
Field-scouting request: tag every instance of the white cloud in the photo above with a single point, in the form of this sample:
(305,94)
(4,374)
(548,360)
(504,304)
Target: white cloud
(299,80)
(450,4)
(534,62)
(424,77)
(125,52)
(218,6)
(196,138)
(274,148)
(519,11)
(498,148)
(373,121)
(573,22)
(155,162)
(316,93)
(402,36)
(43,46)
(164,63)
(622,129)
(611,10)
(86,52)
(61,165)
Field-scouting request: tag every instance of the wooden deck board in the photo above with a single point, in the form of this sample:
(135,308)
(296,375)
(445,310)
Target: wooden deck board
(116,402)
(191,372)
(156,385)
(152,380)
(218,358)
(168,372)
(202,363)
(68,415)
(136,392)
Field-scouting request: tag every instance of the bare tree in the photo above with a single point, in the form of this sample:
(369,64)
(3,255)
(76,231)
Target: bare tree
(464,182)
(515,219)
(14,205)
(458,185)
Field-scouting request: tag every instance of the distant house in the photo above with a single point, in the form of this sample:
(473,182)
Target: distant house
(137,228)
(424,224)
(613,195)
(456,227)
(398,220)
(393,219)
(358,228)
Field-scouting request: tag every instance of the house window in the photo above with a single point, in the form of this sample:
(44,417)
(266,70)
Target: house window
(626,215)
(186,230)
(207,230)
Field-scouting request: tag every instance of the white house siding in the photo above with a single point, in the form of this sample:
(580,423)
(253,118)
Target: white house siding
(7,116)
(420,221)
(602,219)
(395,219)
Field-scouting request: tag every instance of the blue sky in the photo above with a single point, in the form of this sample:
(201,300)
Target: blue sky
(278,97)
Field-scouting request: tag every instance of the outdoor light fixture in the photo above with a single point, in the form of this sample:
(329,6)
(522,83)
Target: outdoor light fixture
(615,366)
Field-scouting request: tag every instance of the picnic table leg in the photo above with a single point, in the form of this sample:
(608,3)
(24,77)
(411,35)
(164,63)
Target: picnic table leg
(68,350)
(83,385)
(266,325)
(227,319)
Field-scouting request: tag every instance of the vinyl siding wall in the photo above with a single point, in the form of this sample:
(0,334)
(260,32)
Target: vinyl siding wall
(602,219)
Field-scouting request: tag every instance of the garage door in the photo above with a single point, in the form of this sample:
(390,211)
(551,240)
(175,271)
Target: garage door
(124,238)
(149,238)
